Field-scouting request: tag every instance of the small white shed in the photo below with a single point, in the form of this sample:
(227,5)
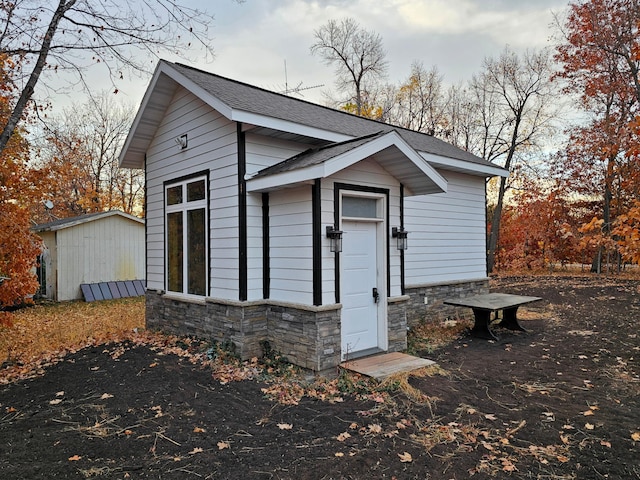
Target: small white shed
(273,219)
(98,247)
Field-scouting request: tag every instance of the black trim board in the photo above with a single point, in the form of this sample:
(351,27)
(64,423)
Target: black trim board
(337,188)
(242,214)
(316,214)
(266,245)
(402,289)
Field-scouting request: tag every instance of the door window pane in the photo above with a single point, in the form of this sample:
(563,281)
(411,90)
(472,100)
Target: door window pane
(360,207)
(196,253)
(174,252)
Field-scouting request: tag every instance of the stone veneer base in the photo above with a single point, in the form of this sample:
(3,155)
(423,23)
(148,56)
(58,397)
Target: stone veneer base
(307,336)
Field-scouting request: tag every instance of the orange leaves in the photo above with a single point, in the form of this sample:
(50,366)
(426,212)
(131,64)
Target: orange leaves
(627,232)
(18,251)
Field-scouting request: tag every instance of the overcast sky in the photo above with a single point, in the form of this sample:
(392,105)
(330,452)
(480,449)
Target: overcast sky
(253,39)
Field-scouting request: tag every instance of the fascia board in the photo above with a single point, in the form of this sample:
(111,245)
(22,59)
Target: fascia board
(420,162)
(253,118)
(270,182)
(447,163)
(80,221)
(371,148)
(345,160)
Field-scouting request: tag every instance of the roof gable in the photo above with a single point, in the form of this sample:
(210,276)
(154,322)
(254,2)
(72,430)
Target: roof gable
(389,149)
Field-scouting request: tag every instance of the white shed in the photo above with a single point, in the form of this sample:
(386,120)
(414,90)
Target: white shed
(271,219)
(99,247)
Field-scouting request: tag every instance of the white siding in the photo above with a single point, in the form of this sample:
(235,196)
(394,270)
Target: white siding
(447,233)
(103,250)
(266,151)
(263,152)
(212,147)
(291,245)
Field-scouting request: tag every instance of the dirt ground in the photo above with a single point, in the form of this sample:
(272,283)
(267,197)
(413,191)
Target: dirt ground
(561,401)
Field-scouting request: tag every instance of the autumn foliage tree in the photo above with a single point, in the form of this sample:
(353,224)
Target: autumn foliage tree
(78,165)
(18,246)
(539,229)
(600,59)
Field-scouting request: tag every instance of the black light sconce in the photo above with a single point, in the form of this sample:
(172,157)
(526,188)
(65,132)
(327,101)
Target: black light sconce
(400,234)
(335,237)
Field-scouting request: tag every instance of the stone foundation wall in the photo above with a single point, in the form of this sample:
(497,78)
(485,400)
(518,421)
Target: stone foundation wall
(243,324)
(434,309)
(397,321)
(308,336)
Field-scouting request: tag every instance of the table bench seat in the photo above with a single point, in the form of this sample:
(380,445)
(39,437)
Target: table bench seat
(484,305)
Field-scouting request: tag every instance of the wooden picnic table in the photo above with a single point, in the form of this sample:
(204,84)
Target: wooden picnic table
(484,305)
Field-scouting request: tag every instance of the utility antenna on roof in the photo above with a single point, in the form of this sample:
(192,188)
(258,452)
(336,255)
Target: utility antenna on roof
(298,88)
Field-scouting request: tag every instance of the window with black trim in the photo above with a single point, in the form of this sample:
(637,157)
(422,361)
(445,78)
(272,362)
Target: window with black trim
(186,236)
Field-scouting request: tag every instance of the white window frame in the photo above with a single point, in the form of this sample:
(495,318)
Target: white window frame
(184,207)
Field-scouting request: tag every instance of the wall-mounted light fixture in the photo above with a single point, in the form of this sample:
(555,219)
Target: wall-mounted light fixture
(181,141)
(400,234)
(335,237)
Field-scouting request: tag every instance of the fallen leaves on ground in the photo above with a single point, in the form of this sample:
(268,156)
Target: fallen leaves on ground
(405,457)
(43,334)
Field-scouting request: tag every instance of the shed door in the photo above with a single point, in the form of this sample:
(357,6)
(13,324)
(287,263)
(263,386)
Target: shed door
(359,278)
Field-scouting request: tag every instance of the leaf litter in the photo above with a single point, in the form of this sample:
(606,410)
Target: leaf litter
(464,419)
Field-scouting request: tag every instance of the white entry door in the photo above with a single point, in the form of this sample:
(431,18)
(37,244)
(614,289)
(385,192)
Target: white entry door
(358,280)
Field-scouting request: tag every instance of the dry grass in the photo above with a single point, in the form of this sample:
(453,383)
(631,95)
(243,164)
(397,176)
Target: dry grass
(47,328)
(427,337)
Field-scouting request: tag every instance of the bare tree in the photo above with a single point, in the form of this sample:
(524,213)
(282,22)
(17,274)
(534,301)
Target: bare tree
(357,54)
(514,98)
(72,35)
(461,126)
(419,101)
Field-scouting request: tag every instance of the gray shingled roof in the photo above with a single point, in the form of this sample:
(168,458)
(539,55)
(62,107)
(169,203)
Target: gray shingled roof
(256,100)
(315,156)
(61,223)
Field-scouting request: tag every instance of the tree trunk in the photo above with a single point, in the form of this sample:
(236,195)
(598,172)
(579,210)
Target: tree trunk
(27,91)
(494,233)
(596,264)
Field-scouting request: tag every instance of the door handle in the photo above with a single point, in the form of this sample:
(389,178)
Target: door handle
(376,295)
